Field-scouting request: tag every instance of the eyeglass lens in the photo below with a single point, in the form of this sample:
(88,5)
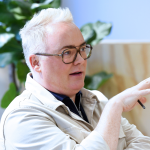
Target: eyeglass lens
(69,54)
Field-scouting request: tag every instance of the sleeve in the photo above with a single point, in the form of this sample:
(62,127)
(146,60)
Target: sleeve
(31,129)
(134,138)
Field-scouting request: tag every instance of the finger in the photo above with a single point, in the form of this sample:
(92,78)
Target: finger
(142,93)
(145,84)
(143,100)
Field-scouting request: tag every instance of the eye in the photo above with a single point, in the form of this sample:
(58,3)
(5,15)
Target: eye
(82,49)
(68,52)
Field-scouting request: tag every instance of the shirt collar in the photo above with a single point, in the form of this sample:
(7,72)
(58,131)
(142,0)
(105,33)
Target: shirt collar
(74,107)
(62,97)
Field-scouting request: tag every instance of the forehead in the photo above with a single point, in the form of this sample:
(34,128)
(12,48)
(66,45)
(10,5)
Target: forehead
(62,34)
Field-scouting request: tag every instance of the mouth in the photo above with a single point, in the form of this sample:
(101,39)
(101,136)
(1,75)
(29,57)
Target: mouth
(76,73)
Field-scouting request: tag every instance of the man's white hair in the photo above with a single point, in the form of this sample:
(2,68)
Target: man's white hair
(33,33)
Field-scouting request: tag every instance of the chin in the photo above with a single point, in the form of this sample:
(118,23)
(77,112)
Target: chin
(77,87)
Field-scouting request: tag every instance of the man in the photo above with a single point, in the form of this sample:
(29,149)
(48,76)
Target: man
(55,112)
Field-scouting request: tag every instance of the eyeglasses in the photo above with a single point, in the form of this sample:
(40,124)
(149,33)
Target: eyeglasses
(69,55)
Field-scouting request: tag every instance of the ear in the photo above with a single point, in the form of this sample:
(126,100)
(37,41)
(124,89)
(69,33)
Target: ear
(34,62)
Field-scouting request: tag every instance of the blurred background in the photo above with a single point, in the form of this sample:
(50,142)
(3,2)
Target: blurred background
(124,52)
(130,19)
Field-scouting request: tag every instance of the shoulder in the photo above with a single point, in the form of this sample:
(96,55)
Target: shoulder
(99,95)
(21,105)
(94,95)
(17,102)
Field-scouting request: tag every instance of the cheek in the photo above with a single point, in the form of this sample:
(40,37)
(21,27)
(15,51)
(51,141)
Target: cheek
(55,69)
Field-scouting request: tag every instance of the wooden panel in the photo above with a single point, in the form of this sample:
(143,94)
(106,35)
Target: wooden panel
(130,64)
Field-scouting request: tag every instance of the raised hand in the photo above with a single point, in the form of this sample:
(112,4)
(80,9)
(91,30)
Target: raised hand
(129,97)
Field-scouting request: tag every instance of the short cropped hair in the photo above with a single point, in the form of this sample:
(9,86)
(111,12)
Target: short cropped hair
(33,33)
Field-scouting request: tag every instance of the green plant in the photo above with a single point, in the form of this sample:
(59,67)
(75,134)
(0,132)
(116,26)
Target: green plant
(95,81)
(93,33)
(13,15)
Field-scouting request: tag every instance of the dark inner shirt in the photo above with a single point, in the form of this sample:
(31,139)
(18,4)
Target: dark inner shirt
(74,107)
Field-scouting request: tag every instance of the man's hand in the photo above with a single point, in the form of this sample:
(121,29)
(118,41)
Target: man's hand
(109,124)
(128,98)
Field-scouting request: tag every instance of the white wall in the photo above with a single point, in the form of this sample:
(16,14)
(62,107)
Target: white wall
(130,18)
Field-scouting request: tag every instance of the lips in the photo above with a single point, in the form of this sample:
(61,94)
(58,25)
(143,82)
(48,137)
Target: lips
(76,73)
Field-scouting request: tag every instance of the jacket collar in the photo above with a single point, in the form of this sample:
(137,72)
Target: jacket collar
(41,93)
(88,98)
(47,98)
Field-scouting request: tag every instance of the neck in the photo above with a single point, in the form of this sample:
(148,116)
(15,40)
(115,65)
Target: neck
(38,78)
(73,98)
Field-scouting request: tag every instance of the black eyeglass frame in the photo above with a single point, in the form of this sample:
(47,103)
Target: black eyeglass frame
(78,51)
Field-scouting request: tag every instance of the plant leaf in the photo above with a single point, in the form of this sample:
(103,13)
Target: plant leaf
(7,58)
(9,96)
(56,3)
(19,17)
(16,10)
(88,33)
(2,29)
(22,70)
(41,5)
(93,33)
(20,7)
(5,16)
(102,29)
(8,43)
(16,25)
(95,81)
(5,37)
(87,81)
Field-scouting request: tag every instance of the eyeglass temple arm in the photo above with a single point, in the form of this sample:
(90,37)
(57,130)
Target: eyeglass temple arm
(43,54)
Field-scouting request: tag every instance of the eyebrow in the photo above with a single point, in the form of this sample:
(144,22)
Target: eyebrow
(72,46)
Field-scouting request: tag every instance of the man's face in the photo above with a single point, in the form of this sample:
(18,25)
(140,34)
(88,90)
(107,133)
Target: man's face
(58,77)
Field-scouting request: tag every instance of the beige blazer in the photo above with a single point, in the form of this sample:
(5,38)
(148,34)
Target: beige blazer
(36,120)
